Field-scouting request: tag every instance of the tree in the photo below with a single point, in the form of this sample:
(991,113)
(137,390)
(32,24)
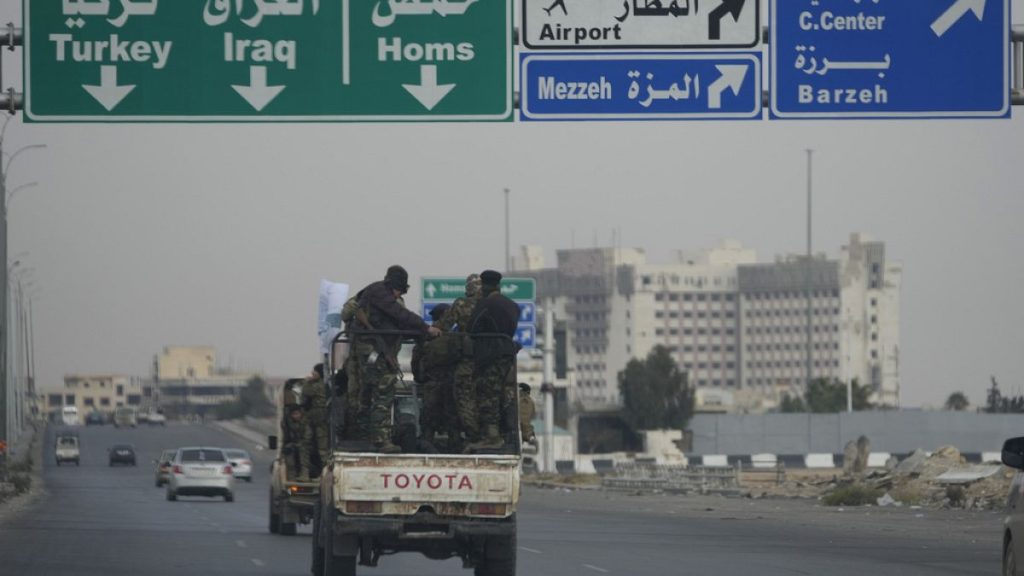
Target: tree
(957,402)
(655,392)
(252,401)
(792,405)
(994,403)
(827,397)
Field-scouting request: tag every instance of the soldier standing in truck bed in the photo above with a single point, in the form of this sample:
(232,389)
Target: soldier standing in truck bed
(492,328)
(378,370)
(464,389)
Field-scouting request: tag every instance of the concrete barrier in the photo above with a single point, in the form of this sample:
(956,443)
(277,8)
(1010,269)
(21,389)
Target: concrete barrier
(717,460)
(764,461)
(988,457)
(878,459)
(820,461)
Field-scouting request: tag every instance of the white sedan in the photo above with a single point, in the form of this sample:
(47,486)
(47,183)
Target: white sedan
(241,463)
(198,471)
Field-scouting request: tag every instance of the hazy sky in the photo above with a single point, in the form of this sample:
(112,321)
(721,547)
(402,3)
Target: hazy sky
(143,236)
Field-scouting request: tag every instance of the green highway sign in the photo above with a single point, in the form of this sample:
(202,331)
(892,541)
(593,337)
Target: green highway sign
(449,288)
(268,60)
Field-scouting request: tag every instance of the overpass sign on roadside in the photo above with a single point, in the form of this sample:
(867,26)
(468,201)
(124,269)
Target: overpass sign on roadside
(267,60)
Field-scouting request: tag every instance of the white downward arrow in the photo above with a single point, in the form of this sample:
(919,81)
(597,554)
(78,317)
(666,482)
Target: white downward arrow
(257,93)
(428,92)
(732,77)
(958,10)
(108,93)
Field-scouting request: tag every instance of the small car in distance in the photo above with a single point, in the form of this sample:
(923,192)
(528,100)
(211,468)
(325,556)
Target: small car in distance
(95,419)
(156,418)
(162,469)
(122,454)
(199,471)
(66,448)
(241,463)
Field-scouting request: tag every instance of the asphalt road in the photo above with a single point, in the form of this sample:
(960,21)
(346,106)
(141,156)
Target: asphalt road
(98,520)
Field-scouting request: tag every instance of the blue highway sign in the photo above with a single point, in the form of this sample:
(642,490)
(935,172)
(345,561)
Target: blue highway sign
(526,336)
(890,58)
(527,312)
(640,86)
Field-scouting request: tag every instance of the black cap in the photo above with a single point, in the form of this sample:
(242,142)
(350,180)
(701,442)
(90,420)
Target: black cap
(397,278)
(490,278)
(319,369)
(524,387)
(437,312)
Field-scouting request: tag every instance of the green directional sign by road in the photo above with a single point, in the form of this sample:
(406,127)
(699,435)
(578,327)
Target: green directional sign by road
(450,288)
(267,60)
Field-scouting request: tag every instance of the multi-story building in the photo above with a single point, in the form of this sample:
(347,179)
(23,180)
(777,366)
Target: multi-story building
(96,392)
(731,323)
(188,380)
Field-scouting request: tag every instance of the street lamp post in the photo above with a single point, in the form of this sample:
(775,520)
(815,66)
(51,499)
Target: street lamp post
(4,326)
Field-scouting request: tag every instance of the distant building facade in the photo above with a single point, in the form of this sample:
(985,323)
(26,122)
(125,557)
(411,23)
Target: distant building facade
(187,380)
(734,325)
(96,392)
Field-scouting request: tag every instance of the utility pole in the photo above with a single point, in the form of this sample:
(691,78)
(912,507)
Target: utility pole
(508,251)
(548,387)
(807,273)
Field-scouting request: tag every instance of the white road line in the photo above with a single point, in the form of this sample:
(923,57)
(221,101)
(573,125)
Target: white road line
(531,550)
(257,562)
(595,568)
(241,543)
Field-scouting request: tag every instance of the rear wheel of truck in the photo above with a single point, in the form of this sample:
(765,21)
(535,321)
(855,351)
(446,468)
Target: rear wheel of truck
(499,557)
(317,562)
(336,565)
(275,518)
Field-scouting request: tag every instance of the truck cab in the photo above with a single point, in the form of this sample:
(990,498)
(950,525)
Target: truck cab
(441,505)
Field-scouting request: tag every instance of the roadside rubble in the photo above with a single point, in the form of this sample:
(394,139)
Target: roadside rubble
(942,480)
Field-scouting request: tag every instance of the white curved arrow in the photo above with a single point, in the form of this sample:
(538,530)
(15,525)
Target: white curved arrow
(958,10)
(732,78)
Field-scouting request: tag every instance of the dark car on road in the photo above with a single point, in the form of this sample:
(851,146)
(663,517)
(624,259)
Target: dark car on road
(1013,525)
(122,454)
(95,419)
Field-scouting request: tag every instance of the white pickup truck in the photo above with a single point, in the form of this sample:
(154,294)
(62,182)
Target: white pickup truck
(440,505)
(66,448)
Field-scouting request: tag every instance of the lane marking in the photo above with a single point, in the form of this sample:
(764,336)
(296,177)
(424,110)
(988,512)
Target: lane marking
(257,562)
(530,550)
(241,543)
(595,568)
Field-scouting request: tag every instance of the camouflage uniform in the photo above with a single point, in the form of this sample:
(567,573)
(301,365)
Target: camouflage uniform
(357,350)
(316,430)
(291,445)
(464,388)
(492,326)
(527,412)
(379,371)
(433,368)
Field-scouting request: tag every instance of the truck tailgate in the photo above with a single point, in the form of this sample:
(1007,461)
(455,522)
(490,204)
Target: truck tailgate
(447,483)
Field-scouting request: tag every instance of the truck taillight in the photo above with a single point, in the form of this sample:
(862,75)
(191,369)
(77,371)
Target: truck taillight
(227,470)
(177,470)
(362,507)
(487,509)
(246,463)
